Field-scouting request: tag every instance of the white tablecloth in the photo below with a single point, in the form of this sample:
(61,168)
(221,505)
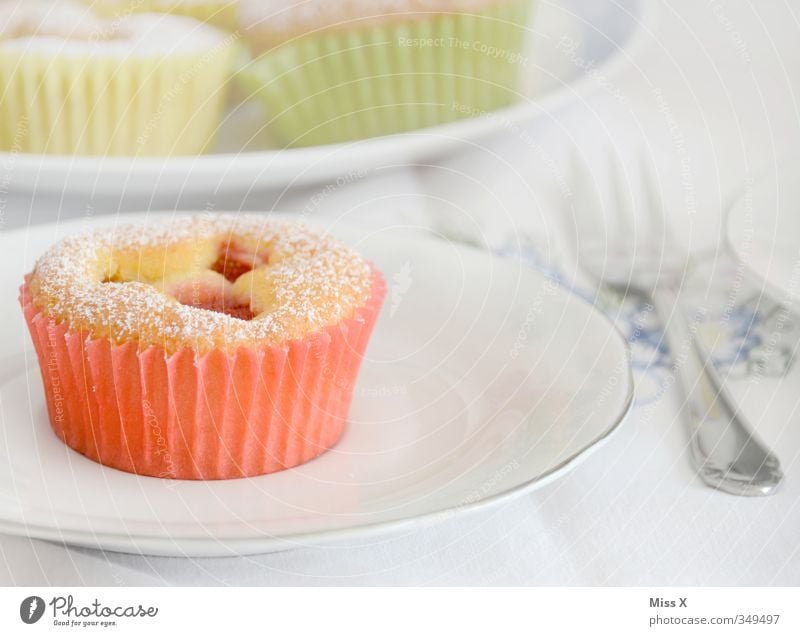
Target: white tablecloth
(713,96)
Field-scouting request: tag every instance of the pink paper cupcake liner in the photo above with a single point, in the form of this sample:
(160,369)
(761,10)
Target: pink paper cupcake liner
(220,415)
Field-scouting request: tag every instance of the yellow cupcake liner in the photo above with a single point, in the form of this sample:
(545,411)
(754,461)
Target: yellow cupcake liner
(101,105)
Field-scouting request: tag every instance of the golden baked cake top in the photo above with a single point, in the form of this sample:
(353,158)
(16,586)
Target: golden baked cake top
(202,282)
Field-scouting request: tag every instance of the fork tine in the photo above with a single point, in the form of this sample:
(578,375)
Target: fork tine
(654,209)
(570,221)
(655,203)
(584,223)
(623,214)
(591,210)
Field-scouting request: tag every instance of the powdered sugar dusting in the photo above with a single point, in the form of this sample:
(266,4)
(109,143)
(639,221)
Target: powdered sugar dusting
(273,18)
(64,27)
(311,281)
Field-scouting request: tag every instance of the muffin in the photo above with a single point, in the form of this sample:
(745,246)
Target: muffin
(219,13)
(77,83)
(336,71)
(209,347)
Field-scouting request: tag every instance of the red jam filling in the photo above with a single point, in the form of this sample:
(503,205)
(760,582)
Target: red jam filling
(232,262)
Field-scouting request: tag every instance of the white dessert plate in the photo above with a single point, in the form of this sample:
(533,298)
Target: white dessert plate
(575,45)
(483,381)
(763,230)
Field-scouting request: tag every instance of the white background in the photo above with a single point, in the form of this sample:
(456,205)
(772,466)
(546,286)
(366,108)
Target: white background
(728,75)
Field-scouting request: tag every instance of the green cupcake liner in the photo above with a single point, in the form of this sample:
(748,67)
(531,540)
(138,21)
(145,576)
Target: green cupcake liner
(371,81)
(102,105)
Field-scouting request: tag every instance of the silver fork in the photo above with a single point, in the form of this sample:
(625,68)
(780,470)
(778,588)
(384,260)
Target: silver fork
(639,255)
